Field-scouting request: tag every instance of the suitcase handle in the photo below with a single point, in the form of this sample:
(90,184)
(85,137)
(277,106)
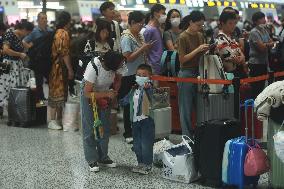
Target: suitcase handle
(186,138)
(248,103)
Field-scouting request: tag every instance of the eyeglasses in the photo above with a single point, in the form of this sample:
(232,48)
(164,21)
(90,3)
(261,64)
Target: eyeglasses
(140,24)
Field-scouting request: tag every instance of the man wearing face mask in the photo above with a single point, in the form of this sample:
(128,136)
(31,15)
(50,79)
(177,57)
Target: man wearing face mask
(153,35)
(259,42)
(172,29)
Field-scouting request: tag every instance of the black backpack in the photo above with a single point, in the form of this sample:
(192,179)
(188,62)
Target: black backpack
(40,54)
(276,56)
(86,53)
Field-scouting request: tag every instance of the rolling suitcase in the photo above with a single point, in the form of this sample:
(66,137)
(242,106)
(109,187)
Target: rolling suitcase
(235,158)
(214,106)
(162,118)
(246,93)
(209,145)
(21,106)
(276,174)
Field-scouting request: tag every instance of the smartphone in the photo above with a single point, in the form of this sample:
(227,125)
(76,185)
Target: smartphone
(212,46)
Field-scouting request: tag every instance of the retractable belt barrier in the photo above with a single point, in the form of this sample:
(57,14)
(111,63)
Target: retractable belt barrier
(215,81)
(236,82)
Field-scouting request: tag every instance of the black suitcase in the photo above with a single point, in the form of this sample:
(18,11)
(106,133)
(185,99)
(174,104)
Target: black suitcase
(21,107)
(210,139)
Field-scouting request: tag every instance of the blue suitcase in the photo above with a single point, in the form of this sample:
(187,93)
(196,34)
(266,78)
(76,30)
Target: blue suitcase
(238,149)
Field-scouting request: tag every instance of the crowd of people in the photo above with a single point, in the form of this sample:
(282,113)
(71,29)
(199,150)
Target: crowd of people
(122,61)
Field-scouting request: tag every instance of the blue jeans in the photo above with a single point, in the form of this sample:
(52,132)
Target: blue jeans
(187,97)
(143,133)
(95,150)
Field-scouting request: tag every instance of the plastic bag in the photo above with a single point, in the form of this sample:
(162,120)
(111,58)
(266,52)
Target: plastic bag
(279,143)
(158,149)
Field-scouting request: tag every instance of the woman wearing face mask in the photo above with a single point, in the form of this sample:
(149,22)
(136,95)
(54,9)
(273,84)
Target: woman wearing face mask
(98,78)
(172,29)
(135,50)
(152,34)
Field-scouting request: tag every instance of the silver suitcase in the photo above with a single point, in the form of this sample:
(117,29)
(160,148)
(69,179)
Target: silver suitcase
(163,122)
(214,106)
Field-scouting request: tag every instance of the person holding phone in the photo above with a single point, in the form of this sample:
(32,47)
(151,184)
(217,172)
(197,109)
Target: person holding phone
(152,34)
(227,48)
(135,49)
(191,47)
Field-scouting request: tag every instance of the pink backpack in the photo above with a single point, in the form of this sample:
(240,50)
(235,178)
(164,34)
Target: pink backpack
(256,162)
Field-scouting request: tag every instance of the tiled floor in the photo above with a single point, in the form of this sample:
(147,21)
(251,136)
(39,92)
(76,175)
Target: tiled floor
(35,158)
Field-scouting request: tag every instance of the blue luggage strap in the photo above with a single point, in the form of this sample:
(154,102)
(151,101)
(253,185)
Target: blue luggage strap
(172,60)
(163,58)
(173,63)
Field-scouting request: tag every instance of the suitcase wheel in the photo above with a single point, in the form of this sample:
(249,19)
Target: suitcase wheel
(9,123)
(16,124)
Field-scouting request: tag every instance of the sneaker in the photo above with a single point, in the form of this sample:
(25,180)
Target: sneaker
(108,163)
(145,170)
(137,168)
(53,125)
(94,167)
(129,140)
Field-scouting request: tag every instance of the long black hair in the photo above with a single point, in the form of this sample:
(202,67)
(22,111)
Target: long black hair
(63,19)
(194,16)
(168,24)
(102,24)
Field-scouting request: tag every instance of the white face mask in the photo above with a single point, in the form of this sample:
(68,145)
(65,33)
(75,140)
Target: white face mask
(162,19)
(175,22)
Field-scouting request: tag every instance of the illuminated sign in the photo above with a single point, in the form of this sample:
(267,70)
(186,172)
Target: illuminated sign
(221,4)
(261,5)
(180,2)
(1,9)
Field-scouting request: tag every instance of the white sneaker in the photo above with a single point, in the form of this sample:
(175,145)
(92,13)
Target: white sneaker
(94,167)
(53,125)
(129,140)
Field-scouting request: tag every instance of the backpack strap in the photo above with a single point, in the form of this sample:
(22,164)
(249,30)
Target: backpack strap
(95,66)
(173,63)
(163,58)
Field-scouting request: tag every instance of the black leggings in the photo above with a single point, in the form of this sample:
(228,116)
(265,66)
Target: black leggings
(126,84)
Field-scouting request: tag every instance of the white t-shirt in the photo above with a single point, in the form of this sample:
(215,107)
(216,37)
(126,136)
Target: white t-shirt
(135,107)
(104,79)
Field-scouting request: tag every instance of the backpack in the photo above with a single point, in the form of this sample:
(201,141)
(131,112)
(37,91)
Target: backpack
(276,58)
(86,54)
(170,65)
(40,54)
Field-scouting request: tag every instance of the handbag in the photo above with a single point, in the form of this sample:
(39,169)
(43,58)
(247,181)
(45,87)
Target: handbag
(256,161)
(160,98)
(178,162)
(158,149)
(98,125)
